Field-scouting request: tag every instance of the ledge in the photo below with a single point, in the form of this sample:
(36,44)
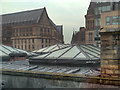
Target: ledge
(63,76)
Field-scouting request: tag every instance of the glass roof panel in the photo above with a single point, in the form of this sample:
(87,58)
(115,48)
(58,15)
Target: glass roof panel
(88,51)
(56,54)
(22,51)
(96,48)
(56,48)
(71,53)
(3,54)
(49,48)
(80,56)
(10,48)
(35,51)
(91,49)
(91,56)
(40,56)
(42,49)
(5,50)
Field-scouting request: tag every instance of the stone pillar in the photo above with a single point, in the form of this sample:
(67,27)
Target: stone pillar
(110,54)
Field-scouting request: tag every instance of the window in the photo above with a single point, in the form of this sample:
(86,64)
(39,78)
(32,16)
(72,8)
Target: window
(29,47)
(100,9)
(29,41)
(32,40)
(42,40)
(15,41)
(46,40)
(103,9)
(107,8)
(48,31)
(25,41)
(15,46)
(107,20)
(49,40)
(119,20)
(32,46)
(21,46)
(115,20)
(96,12)
(90,36)
(97,22)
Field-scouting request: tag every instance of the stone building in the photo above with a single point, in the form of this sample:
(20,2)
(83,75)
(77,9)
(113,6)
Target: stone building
(30,30)
(89,21)
(110,44)
(79,37)
(94,13)
(110,21)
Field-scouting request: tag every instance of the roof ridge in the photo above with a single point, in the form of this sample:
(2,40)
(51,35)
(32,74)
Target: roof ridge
(22,11)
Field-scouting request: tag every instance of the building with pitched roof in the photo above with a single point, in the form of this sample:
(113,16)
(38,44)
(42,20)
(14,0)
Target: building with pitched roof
(30,30)
(79,36)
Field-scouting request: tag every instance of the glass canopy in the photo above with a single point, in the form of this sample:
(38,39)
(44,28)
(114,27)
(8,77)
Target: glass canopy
(51,48)
(69,53)
(6,52)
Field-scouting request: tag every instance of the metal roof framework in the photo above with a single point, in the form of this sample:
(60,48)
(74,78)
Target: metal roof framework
(68,54)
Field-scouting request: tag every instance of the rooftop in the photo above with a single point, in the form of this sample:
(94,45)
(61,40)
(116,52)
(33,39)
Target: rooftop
(6,52)
(67,54)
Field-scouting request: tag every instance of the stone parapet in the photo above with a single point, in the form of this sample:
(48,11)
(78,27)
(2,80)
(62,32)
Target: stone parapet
(110,54)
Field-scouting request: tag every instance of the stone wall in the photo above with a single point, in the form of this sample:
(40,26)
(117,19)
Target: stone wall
(110,54)
(30,82)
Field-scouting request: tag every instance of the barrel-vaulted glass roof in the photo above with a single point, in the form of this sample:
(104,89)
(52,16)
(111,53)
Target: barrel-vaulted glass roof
(68,53)
(6,52)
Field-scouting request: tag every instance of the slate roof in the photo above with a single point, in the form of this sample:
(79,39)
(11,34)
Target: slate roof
(31,15)
(25,66)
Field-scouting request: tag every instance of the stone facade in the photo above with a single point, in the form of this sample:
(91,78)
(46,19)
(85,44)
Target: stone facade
(110,54)
(96,8)
(79,37)
(110,44)
(89,18)
(89,36)
(110,21)
(33,30)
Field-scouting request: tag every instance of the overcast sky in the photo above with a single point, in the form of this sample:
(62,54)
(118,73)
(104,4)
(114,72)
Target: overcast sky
(69,13)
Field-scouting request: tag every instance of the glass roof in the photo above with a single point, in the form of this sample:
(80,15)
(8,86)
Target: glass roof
(2,54)
(80,56)
(51,48)
(56,54)
(8,51)
(4,50)
(72,52)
